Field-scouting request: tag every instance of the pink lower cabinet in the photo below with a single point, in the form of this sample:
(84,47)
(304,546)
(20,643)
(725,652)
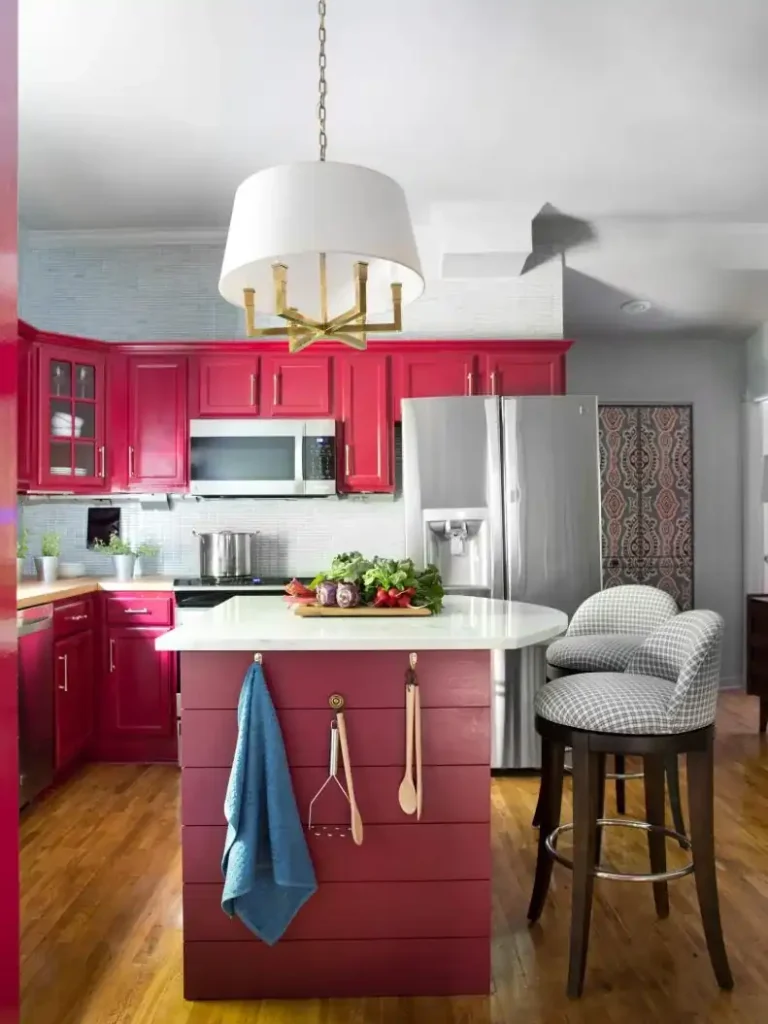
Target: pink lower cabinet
(137,697)
(406,913)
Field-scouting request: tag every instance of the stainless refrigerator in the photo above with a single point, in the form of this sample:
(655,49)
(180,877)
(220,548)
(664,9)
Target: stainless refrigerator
(503,494)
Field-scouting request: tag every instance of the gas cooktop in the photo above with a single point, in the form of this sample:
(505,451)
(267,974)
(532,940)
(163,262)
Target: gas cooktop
(276,582)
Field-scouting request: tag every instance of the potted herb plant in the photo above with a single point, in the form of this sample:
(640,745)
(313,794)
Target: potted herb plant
(123,555)
(47,564)
(22,550)
(143,552)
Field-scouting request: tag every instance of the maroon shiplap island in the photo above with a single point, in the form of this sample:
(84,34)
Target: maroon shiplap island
(408,912)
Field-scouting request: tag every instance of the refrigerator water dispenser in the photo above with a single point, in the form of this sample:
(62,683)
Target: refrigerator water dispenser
(457,541)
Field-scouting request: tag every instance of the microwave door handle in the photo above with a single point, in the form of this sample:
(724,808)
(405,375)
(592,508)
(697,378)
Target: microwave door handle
(300,482)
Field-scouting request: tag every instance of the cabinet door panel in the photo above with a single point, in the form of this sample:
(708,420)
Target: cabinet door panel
(296,386)
(524,373)
(157,423)
(73,696)
(434,375)
(229,385)
(367,427)
(71,419)
(141,684)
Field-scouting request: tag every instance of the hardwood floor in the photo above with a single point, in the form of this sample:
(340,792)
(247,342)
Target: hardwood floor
(101,913)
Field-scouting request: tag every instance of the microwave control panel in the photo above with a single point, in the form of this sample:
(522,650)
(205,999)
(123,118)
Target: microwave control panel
(319,458)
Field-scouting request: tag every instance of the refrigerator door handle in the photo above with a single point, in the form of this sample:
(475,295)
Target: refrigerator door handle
(495,497)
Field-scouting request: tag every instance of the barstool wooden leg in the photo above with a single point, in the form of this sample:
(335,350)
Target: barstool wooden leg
(586,785)
(673,787)
(653,769)
(536,821)
(701,809)
(621,786)
(601,768)
(550,801)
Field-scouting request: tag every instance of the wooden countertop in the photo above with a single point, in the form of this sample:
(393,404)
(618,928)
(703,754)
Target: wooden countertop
(33,593)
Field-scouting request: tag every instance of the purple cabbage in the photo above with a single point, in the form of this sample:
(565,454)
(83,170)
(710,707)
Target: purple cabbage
(326,593)
(347,595)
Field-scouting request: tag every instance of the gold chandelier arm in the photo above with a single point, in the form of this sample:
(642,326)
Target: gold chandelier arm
(251,330)
(361,288)
(299,340)
(323,288)
(280,283)
(293,316)
(397,316)
(343,319)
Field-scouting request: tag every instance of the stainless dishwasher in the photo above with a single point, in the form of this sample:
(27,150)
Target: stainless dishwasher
(36,733)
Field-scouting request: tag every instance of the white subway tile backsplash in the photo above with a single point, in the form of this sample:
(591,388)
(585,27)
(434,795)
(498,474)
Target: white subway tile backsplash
(295,536)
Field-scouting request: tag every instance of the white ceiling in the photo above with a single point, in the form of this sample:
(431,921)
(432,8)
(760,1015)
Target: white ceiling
(643,118)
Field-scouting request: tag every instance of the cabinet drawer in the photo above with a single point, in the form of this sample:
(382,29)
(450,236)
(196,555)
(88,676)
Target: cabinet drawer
(72,616)
(151,609)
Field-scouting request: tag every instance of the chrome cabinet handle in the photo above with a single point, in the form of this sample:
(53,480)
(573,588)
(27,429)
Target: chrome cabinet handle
(346,460)
(111,655)
(136,611)
(76,618)
(131,463)
(103,461)
(470,385)
(493,382)
(253,389)
(65,687)
(275,388)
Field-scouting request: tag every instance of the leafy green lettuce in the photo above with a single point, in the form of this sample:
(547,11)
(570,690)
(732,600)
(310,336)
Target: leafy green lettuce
(370,574)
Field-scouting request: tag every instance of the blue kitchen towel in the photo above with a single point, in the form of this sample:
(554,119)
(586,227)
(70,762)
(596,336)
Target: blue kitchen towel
(268,874)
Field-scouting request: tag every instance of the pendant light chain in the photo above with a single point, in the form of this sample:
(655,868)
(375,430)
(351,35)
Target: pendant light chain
(322,84)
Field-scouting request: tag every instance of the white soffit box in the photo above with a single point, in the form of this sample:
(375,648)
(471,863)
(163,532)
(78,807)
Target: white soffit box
(482,240)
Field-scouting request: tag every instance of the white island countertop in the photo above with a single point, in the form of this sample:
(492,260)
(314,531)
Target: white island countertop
(269,624)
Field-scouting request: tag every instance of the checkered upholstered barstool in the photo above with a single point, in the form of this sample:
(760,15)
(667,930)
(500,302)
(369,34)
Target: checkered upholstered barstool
(664,703)
(602,636)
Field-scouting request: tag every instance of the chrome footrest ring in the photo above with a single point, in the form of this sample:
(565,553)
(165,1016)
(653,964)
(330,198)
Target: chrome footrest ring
(625,775)
(625,876)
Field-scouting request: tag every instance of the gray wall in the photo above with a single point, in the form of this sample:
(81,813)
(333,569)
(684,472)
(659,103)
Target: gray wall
(710,375)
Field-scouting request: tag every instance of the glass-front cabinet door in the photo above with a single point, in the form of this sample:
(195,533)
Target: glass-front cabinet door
(72,418)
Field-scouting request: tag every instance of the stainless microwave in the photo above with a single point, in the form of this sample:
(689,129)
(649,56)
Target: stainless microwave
(282,458)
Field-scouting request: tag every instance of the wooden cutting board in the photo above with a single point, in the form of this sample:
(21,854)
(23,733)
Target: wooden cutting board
(309,611)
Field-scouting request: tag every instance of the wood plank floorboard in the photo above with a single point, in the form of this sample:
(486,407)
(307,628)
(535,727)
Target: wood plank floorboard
(101,913)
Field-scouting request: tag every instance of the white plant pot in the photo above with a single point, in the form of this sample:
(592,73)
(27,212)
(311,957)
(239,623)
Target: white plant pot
(19,570)
(47,567)
(124,565)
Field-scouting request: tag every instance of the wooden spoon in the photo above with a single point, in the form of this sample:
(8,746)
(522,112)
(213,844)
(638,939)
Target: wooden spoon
(417,731)
(356,820)
(407,792)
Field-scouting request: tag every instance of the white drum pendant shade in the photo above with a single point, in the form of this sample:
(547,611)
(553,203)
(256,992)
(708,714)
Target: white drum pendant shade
(291,214)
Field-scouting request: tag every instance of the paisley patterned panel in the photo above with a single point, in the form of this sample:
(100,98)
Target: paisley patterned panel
(618,472)
(665,481)
(646,473)
(673,575)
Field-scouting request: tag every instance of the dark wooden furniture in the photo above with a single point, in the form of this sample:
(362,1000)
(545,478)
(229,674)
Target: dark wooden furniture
(589,753)
(757,652)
